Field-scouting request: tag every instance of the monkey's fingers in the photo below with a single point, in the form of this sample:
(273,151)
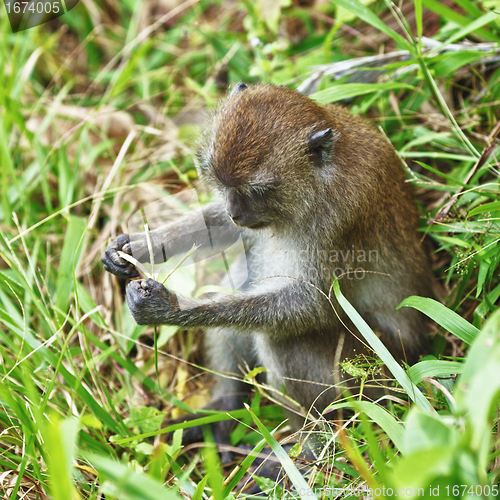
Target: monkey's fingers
(112,261)
(123,273)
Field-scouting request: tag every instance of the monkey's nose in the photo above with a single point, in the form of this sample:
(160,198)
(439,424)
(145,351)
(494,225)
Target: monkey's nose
(236,218)
(233,207)
(234,211)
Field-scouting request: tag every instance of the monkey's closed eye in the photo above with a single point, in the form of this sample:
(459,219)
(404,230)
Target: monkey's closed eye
(257,196)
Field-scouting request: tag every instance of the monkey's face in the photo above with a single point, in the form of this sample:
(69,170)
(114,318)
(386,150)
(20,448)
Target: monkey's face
(263,155)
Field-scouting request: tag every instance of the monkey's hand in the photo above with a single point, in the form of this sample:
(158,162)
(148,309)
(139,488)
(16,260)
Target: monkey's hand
(150,302)
(114,264)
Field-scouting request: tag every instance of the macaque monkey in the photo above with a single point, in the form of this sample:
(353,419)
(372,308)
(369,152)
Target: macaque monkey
(314,192)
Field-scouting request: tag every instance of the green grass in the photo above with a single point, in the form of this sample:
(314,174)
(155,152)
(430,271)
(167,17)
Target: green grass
(87,139)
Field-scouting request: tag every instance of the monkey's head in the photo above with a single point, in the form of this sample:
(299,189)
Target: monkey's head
(268,153)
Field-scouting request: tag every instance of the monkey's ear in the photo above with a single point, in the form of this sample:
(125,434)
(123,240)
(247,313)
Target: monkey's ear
(239,87)
(320,145)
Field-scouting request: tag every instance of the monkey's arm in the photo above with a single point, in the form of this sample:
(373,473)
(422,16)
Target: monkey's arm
(288,309)
(174,238)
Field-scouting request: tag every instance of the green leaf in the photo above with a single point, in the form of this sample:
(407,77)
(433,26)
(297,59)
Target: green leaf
(482,209)
(487,304)
(479,385)
(470,7)
(146,418)
(166,333)
(348,90)
(424,431)
(381,416)
(266,485)
(70,256)
(217,417)
(443,316)
(244,466)
(305,493)
(419,19)
(253,373)
(69,379)
(86,303)
(470,28)
(434,368)
(128,483)
(484,267)
(271,12)
(367,15)
(451,15)
(212,465)
(136,372)
(382,351)
(198,494)
(60,440)
(453,241)
(439,155)
(449,63)
(420,468)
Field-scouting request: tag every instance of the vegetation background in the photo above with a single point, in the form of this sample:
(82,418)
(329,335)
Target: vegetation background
(99,114)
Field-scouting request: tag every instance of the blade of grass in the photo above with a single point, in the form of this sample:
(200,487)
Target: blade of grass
(295,476)
(469,7)
(348,90)
(443,316)
(129,483)
(444,107)
(212,465)
(451,15)
(381,416)
(218,417)
(487,207)
(479,385)
(136,372)
(60,439)
(419,23)
(382,351)
(363,12)
(68,377)
(434,368)
(244,466)
(463,32)
(358,461)
(198,494)
(69,260)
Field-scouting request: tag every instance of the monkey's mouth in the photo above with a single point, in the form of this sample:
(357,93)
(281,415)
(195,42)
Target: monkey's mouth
(251,225)
(258,225)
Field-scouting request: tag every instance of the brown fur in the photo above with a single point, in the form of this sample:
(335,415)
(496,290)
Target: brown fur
(298,204)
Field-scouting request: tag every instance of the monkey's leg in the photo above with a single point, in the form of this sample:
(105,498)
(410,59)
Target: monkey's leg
(228,354)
